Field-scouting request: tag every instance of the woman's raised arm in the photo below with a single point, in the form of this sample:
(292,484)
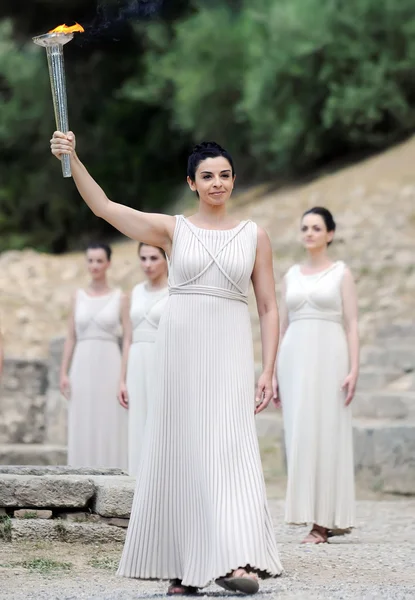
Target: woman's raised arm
(150,228)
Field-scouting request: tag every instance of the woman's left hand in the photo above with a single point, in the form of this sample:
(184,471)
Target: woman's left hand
(123,395)
(349,387)
(264,392)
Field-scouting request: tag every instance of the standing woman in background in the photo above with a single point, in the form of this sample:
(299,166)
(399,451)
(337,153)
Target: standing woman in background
(317,371)
(148,300)
(97,424)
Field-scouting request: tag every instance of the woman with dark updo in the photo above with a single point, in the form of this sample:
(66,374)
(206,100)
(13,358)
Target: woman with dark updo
(200,511)
(317,370)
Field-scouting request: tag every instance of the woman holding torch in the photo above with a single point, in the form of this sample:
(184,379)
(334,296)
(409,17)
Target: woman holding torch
(200,511)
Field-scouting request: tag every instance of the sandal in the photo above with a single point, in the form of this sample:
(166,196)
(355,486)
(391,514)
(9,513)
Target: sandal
(316,536)
(239,581)
(177,589)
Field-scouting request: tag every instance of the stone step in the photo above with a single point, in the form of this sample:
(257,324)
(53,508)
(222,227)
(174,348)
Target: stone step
(36,530)
(377,378)
(384,450)
(400,355)
(58,470)
(398,330)
(32,454)
(46,491)
(384,453)
(389,404)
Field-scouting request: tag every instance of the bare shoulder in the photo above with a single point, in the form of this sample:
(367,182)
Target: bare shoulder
(263,239)
(347,274)
(262,234)
(348,283)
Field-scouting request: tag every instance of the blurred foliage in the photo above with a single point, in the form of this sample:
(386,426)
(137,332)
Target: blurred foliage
(286,85)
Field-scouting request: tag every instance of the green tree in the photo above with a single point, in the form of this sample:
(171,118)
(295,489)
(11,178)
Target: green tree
(287,84)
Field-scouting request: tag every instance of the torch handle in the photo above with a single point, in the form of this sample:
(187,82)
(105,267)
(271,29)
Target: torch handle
(58,86)
(66,165)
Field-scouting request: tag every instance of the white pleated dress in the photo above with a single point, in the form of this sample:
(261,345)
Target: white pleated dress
(312,365)
(200,508)
(147,306)
(97,423)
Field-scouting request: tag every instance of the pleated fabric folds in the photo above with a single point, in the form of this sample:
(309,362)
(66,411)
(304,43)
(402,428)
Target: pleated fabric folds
(200,507)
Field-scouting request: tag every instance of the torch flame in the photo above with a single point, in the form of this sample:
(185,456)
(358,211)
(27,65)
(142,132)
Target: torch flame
(64,29)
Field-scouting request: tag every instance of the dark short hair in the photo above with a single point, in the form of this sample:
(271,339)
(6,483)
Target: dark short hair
(325,214)
(162,252)
(203,151)
(100,246)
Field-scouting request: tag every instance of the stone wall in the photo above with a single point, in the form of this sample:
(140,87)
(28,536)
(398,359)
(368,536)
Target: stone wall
(23,401)
(56,405)
(33,427)
(64,504)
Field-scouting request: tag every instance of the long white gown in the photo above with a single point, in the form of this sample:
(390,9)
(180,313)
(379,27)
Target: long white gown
(312,365)
(97,423)
(147,306)
(200,507)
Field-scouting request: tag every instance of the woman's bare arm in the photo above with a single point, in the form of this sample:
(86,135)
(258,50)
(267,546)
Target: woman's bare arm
(68,349)
(283,311)
(126,344)
(350,312)
(1,353)
(264,287)
(153,229)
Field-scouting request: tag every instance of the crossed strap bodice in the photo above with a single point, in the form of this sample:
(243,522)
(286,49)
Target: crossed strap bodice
(97,317)
(146,309)
(196,283)
(317,296)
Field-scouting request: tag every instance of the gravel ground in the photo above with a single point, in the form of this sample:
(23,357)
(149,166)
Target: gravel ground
(375,562)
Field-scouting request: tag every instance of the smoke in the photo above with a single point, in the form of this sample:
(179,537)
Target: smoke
(113,16)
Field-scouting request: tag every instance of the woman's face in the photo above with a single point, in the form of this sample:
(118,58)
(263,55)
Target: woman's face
(214,181)
(314,233)
(97,263)
(152,262)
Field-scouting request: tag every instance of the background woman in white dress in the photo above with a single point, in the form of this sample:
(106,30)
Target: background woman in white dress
(148,300)
(91,368)
(200,511)
(317,371)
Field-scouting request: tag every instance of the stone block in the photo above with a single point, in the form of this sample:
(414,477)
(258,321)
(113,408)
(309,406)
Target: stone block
(56,418)
(32,454)
(57,530)
(79,517)
(118,522)
(22,401)
(83,517)
(385,455)
(380,406)
(374,379)
(59,470)
(401,357)
(113,496)
(396,330)
(30,513)
(45,491)
(54,361)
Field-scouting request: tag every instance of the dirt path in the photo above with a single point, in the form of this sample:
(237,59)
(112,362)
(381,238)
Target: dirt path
(375,562)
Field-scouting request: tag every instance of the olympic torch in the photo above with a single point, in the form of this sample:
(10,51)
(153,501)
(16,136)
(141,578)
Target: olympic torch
(54,42)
